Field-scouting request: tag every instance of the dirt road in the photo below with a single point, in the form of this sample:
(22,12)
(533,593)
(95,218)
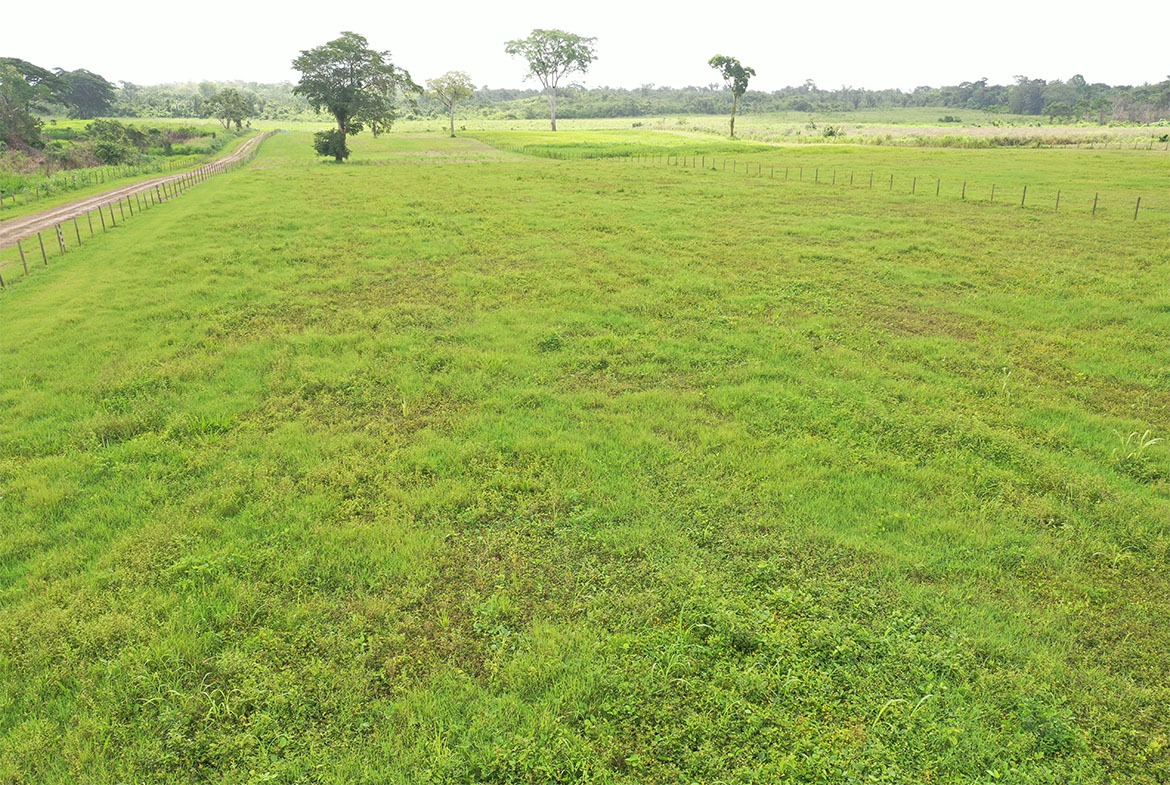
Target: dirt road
(28,225)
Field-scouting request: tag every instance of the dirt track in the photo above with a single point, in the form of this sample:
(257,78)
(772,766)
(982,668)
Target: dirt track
(26,226)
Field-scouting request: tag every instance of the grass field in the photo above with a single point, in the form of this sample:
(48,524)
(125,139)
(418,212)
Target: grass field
(455,465)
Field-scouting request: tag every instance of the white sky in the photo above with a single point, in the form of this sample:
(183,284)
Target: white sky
(859,43)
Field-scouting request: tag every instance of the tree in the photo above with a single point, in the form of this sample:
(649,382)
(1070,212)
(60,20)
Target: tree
(553,55)
(87,94)
(18,127)
(354,83)
(24,89)
(229,106)
(736,77)
(1027,96)
(450,88)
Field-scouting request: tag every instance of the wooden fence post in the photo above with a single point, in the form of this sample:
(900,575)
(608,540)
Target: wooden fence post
(77,229)
(1025,196)
(44,255)
(23,260)
(1138,207)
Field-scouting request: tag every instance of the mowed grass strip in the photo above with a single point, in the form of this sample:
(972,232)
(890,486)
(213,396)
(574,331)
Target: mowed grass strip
(533,471)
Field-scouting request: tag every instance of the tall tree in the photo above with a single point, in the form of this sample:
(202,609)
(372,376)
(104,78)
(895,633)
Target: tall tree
(19,128)
(449,89)
(1027,96)
(25,89)
(552,55)
(87,94)
(735,76)
(229,106)
(355,84)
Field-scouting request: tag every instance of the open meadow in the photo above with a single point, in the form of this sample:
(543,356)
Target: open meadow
(480,460)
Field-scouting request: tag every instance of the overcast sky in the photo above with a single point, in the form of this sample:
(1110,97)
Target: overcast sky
(858,43)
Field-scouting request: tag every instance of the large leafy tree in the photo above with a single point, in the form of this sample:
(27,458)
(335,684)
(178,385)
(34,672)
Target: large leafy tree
(449,89)
(357,85)
(552,55)
(735,76)
(24,89)
(229,106)
(87,94)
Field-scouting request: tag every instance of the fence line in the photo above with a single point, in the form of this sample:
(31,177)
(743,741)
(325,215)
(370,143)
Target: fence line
(63,182)
(146,196)
(769,171)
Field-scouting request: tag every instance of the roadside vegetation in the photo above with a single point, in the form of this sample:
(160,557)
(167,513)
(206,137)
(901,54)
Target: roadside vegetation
(462,463)
(81,158)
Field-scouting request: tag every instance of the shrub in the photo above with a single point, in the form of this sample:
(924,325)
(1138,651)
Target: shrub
(330,143)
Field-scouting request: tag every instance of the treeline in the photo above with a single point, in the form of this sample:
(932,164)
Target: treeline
(1071,100)
(1074,100)
(262,101)
(29,92)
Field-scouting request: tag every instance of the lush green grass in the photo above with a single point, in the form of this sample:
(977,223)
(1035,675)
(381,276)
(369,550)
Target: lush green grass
(1113,179)
(491,468)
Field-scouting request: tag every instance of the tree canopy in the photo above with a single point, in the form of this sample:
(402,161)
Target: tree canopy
(735,76)
(553,55)
(355,84)
(230,106)
(87,94)
(449,89)
(18,128)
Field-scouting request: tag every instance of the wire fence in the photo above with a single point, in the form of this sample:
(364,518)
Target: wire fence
(71,226)
(1055,199)
(64,182)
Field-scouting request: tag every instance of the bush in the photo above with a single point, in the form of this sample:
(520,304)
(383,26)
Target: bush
(112,152)
(330,143)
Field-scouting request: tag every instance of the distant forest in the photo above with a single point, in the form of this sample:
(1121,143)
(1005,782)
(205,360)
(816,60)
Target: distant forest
(29,93)
(1074,100)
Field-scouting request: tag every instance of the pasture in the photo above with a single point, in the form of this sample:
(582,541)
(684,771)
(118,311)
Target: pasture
(463,463)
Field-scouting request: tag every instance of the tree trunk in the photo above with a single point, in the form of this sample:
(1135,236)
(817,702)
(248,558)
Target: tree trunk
(552,107)
(343,129)
(452,119)
(734,105)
